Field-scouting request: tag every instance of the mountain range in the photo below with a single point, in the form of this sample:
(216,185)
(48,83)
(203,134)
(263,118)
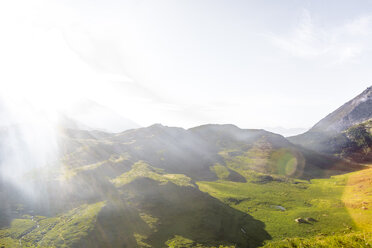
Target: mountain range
(162,186)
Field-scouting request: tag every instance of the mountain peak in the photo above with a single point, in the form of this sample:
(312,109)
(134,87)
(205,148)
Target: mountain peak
(157,125)
(355,111)
(365,95)
(332,134)
(368,90)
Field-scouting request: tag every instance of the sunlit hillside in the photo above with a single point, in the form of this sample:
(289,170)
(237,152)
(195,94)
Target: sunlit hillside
(215,185)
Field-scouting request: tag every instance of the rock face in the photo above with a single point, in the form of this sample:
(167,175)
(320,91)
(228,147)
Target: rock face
(351,113)
(345,132)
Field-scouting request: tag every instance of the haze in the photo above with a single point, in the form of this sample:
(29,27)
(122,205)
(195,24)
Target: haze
(257,64)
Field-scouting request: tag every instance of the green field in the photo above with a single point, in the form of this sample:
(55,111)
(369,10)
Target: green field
(152,208)
(278,203)
(354,240)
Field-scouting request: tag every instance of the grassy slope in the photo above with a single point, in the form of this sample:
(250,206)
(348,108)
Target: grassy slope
(143,170)
(182,242)
(339,204)
(179,215)
(64,230)
(358,198)
(336,203)
(355,240)
(155,209)
(261,201)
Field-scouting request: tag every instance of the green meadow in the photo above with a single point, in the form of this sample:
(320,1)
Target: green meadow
(278,202)
(334,212)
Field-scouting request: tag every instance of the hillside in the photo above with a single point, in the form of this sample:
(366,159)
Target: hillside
(157,186)
(355,111)
(196,152)
(345,132)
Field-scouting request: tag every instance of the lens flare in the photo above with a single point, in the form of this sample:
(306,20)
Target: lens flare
(357,198)
(287,162)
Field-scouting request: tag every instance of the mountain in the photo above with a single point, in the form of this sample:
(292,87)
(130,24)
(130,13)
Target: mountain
(197,151)
(142,188)
(341,132)
(351,113)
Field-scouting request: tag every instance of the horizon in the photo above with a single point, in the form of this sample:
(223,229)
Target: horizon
(81,121)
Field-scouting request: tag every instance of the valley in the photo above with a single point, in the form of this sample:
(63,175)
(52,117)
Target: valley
(207,186)
(335,209)
(151,213)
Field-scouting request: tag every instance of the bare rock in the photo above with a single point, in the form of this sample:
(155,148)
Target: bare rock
(300,220)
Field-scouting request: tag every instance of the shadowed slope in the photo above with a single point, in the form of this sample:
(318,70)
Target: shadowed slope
(197,153)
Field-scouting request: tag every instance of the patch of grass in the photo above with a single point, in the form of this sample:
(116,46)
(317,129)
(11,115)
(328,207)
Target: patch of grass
(221,171)
(20,227)
(140,239)
(70,171)
(144,170)
(355,240)
(150,220)
(8,242)
(182,242)
(255,158)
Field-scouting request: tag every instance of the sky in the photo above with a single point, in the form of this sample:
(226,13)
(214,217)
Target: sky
(255,64)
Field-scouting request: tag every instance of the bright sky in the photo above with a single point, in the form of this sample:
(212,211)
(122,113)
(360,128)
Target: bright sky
(188,62)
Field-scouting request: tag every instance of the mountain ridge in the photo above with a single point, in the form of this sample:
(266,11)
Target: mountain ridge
(331,135)
(353,112)
(214,185)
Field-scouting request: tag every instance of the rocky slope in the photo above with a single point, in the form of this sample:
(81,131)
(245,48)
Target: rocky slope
(351,113)
(335,133)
